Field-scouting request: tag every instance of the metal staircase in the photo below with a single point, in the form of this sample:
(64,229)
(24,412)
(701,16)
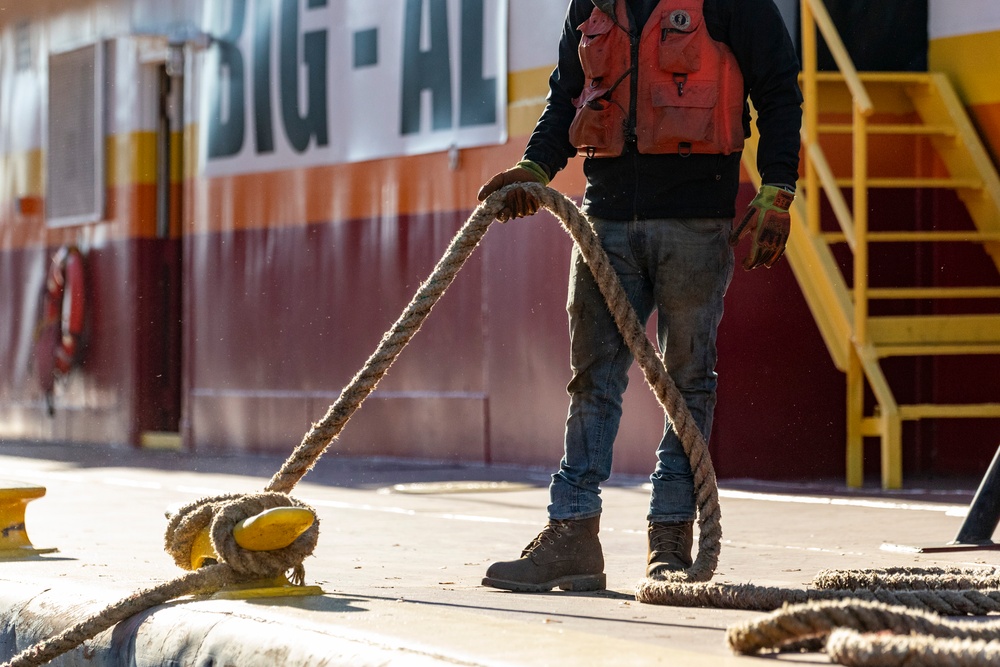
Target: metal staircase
(916,128)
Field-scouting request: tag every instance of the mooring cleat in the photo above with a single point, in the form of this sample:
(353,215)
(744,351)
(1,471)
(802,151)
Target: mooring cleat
(14,542)
(272,529)
(276,587)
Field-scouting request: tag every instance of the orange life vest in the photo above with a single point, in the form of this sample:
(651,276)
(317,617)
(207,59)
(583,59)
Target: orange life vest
(690,88)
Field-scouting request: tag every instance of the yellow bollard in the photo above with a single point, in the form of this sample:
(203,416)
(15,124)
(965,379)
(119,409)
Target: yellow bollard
(14,542)
(271,529)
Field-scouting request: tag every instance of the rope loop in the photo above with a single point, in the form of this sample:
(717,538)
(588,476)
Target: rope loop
(220,515)
(655,373)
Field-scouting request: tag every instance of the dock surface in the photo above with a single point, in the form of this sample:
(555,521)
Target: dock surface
(402,550)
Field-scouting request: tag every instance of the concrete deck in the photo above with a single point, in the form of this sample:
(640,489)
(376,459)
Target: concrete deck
(401,566)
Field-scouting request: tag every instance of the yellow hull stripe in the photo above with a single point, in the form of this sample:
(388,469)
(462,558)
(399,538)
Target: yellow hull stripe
(21,174)
(130,158)
(969,61)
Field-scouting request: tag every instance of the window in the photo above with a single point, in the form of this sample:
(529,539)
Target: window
(22,46)
(74,158)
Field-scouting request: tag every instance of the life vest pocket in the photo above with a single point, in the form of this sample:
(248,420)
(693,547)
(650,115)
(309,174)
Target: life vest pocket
(679,49)
(680,114)
(595,45)
(598,130)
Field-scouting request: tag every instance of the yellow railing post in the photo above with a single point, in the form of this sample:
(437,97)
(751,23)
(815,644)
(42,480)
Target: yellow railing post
(855,454)
(810,108)
(814,16)
(860,197)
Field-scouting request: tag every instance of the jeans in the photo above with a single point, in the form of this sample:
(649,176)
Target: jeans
(681,268)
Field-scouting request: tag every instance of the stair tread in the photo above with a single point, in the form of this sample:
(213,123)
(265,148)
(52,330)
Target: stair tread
(914,411)
(921,129)
(921,331)
(937,292)
(925,410)
(970,235)
(917,182)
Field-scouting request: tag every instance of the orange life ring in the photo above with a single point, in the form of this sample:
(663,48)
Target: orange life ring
(57,343)
(68,264)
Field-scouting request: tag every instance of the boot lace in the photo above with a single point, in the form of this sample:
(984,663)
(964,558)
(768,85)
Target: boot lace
(553,531)
(667,539)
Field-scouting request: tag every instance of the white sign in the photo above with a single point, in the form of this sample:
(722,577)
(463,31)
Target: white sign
(295,83)
(948,18)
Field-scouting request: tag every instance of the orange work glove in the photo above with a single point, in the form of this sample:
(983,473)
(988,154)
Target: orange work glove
(517,203)
(768,222)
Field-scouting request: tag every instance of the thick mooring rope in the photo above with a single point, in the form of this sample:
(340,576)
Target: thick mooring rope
(842,604)
(235,565)
(795,623)
(750,597)
(910,578)
(206,579)
(323,432)
(848,647)
(902,610)
(223,512)
(666,392)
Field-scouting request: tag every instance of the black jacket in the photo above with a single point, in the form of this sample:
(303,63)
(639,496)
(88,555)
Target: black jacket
(637,186)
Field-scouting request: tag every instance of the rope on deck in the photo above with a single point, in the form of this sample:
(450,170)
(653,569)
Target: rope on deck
(858,632)
(865,601)
(221,513)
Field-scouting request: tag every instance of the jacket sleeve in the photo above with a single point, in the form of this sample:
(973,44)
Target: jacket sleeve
(763,48)
(549,143)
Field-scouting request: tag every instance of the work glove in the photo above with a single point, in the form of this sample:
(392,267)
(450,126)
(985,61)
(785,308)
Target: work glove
(517,202)
(768,222)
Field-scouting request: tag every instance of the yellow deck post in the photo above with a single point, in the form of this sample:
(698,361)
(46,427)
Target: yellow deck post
(855,410)
(892,449)
(14,499)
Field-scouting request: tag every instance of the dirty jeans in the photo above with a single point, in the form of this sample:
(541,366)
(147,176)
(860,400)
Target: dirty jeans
(680,268)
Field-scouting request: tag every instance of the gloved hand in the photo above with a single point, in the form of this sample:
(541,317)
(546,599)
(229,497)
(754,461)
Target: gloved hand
(517,203)
(769,223)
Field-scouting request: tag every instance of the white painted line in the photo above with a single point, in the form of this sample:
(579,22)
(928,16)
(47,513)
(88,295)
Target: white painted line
(407,512)
(950,510)
(757,545)
(201,490)
(32,474)
(132,483)
(731,494)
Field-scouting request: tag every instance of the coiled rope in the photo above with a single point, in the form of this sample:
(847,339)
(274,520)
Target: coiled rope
(221,513)
(855,633)
(902,611)
(948,592)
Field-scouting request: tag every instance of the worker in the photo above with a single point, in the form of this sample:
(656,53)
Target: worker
(652,94)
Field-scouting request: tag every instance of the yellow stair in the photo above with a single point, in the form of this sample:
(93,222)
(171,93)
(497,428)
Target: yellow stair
(852,113)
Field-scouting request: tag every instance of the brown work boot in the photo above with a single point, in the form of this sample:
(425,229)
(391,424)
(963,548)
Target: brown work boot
(669,547)
(566,554)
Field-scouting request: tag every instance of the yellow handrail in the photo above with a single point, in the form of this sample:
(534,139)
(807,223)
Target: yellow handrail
(837,202)
(814,12)
(857,341)
(815,15)
(861,361)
